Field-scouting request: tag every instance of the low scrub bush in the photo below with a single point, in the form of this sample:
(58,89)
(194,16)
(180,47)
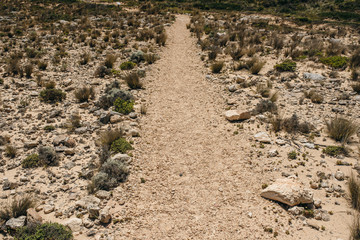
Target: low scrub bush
(31,161)
(334,150)
(84,58)
(123,106)
(127,65)
(314,96)
(111,173)
(45,231)
(355,59)
(108,137)
(48,156)
(150,58)
(120,146)
(161,39)
(266,106)
(217,67)
(356,87)
(51,95)
(286,66)
(102,71)
(335,61)
(341,129)
(256,67)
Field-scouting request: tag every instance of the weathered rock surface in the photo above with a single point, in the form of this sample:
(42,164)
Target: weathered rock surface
(288,191)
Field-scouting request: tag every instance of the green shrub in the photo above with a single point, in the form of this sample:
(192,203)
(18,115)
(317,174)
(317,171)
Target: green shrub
(334,150)
(127,65)
(123,106)
(341,129)
(217,67)
(286,66)
(292,155)
(45,231)
(111,174)
(120,146)
(31,161)
(108,137)
(49,128)
(335,61)
(52,95)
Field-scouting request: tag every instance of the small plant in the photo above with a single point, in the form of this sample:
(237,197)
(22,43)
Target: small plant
(256,67)
(49,128)
(102,71)
(334,150)
(48,156)
(110,60)
(217,67)
(84,58)
(341,129)
(16,208)
(31,161)
(123,106)
(266,106)
(308,213)
(355,59)
(150,58)
(292,155)
(335,61)
(45,231)
(120,146)
(161,39)
(127,65)
(51,95)
(356,87)
(28,70)
(10,151)
(84,94)
(108,137)
(314,96)
(42,65)
(354,192)
(133,80)
(112,172)
(286,66)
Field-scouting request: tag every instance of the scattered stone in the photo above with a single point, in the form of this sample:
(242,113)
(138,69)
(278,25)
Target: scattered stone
(105,216)
(288,191)
(103,194)
(339,175)
(74,224)
(313,76)
(15,223)
(49,209)
(262,137)
(33,217)
(234,115)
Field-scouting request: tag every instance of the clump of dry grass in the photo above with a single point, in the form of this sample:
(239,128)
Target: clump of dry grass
(341,129)
(108,137)
(84,94)
(355,228)
(314,96)
(133,81)
(110,60)
(354,192)
(16,208)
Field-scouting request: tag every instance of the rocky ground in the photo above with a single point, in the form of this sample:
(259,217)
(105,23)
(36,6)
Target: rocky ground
(208,161)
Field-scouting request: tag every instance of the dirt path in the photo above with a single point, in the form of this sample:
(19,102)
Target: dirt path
(197,185)
(194,173)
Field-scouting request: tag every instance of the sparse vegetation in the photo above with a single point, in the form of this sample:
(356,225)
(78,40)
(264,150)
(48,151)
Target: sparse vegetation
(286,66)
(341,129)
(133,80)
(335,61)
(217,67)
(84,94)
(45,231)
(52,95)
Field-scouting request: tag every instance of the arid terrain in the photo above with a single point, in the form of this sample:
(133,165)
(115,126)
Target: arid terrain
(126,122)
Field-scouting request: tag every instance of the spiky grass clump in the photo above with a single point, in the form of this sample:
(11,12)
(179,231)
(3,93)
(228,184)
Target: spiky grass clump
(341,129)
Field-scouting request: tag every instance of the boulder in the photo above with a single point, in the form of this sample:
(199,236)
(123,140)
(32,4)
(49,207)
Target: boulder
(15,223)
(288,191)
(74,224)
(94,211)
(103,194)
(105,216)
(87,201)
(314,76)
(262,137)
(234,115)
(33,217)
